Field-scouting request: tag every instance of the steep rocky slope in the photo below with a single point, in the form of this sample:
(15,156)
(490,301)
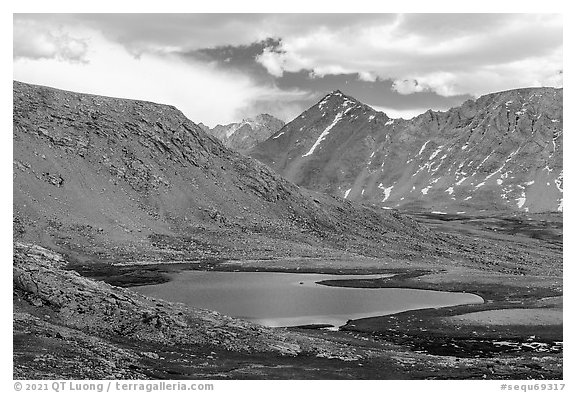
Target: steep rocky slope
(502,151)
(246,134)
(111,179)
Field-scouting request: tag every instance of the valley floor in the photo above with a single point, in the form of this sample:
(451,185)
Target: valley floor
(515,334)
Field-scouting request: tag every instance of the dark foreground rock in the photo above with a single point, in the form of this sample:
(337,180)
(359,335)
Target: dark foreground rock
(71,307)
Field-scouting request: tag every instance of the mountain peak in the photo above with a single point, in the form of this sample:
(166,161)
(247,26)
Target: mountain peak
(336,94)
(506,144)
(247,133)
(336,97)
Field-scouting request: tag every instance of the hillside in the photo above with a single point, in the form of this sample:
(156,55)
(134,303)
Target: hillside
(500,152)
(112,179)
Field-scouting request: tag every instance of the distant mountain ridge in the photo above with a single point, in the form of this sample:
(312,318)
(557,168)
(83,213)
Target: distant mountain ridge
(246,134)
(502,151)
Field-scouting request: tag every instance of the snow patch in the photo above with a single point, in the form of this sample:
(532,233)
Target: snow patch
(503,165)
(424,191)
(347,192)
(450,190)
(389,122)
(436,152)
(520,201)
(233,129)
(324,134)
(387,191)
(483,161)
(279,135)
(559,182)
(422,148)
(461,181)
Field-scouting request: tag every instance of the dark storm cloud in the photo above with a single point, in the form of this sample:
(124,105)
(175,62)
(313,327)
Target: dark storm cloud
(240,58)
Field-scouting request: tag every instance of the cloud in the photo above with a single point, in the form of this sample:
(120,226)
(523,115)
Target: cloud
(234,61)
(367,76)
(393,113)
(36,41)
(272,61)
(202,91)
(141,33)
(448,54)
(407,86)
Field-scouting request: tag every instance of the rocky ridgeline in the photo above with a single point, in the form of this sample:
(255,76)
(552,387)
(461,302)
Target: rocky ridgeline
(109,179)
(246,134)
(500,152)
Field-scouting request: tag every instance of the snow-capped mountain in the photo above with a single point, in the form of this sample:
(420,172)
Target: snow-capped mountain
(501,151)
(246,134)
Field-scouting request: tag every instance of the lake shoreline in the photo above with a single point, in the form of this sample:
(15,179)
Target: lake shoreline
(366,349)
(434,328)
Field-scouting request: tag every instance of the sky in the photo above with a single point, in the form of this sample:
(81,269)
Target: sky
(221,68)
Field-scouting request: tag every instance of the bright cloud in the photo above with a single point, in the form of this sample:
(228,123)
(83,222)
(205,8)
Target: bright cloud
(203,92)
(407,86)
(272,62)
(35,41)
(406,114)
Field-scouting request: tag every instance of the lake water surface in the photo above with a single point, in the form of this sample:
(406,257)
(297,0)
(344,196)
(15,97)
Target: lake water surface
(292,299)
